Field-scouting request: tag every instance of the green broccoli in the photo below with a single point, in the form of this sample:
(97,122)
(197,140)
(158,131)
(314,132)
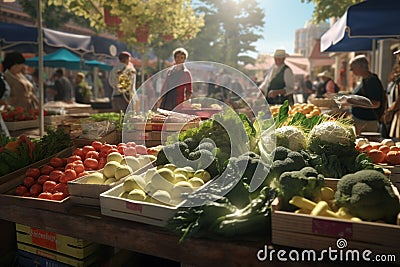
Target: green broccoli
(285,160)
(305,182)
(368,194)
(172,154)
(191,143)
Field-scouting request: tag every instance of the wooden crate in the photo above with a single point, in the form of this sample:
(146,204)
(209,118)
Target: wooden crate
(138,211)
(20,125)
(154,126)
(321,233)
(82,193)
(66,245)
(10,181)
(32,256)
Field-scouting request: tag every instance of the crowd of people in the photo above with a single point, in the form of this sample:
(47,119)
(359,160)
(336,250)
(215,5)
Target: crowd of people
(18,88)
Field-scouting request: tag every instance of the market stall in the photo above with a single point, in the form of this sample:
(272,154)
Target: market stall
(200,200)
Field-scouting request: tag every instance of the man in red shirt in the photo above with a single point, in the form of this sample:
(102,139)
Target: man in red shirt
(177,86)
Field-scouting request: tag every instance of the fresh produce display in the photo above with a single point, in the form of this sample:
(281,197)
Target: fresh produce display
(61,170)
(366,195)
(16,153)
(117,167)
(164,184)
(306,109)
(385,151)
(328,141)
(18,113)
(237,215)
(114,117)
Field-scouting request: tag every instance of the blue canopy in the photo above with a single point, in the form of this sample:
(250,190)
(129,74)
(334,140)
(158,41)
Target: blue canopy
(25,39)
(62,58)
(361,24)
(98,64)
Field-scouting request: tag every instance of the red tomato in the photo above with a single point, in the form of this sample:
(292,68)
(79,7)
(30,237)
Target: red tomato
(73,158)
(45,195)
(29,181)
(46,169)
(121,144)
(57,162)
(78,152)
(91,163)
(82,174)
(35,189)
(106,148)
(58,196)
(21,190)
(132,144)
(92,154)
(43,178)
(141,149)
(102,162)
(121,149)
(33,172)
(86,149)
(97,145)
(70,174)
(112,150)
(48,186)
(55,175)
(103,154)
(63,179)
(61,187)
(78,168)
(130,151)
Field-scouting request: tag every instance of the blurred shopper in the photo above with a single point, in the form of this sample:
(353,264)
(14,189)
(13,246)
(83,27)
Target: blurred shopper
(62,88)
(307,88)
(4,89)
(122,80)
(367,119)
(278,85)
(83,93)
(328,87)
(22,92)
(177,86)
(393,92)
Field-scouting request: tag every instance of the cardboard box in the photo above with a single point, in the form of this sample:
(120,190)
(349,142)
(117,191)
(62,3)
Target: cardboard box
(70,246)
(31,256)
(19,125)
(321,233)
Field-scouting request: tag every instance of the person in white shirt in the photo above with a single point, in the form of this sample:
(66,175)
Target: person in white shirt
(122,80)
(278,84)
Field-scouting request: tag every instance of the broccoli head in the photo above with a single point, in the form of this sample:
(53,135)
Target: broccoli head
(368,194)
(285,160)
(305,182)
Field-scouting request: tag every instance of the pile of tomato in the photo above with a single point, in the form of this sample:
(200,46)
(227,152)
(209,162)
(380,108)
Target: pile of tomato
(50,181)
(18,113)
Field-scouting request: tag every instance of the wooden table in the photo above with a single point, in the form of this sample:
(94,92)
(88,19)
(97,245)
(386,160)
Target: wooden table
(88,223)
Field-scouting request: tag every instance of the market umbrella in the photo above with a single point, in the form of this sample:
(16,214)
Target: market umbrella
(363,24)
(62,58)
(98,64)
(25,39)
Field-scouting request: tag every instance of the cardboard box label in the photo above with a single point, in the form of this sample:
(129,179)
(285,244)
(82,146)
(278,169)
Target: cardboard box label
(332,228)
(44,239)
(134,207)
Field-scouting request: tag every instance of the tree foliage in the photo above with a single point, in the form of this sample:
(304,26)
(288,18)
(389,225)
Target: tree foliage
(229,31)
(53,16)
(174,18)
(325,9)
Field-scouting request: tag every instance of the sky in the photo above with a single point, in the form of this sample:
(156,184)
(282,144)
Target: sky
(282,19)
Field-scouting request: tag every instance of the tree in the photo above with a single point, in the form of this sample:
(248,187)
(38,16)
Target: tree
(325,9)
(227,35)
(160,18)
(53,16)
